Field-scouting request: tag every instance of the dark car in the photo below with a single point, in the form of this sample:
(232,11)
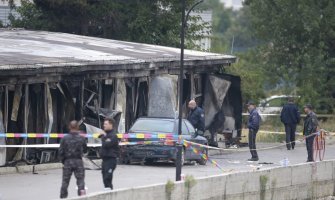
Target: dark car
(162,149)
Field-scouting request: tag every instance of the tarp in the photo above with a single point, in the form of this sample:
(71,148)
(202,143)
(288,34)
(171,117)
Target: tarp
(93,129)
(96,115)
(121,96)
(214,95)
(163,96)
(223,104)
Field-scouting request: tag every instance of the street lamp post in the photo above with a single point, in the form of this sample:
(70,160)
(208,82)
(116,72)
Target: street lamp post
(184,19)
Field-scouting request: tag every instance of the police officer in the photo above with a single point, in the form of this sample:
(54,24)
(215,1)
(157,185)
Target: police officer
(310,127)
(253,126)
(109,152)
(71,151)
(290,116)
(197,117)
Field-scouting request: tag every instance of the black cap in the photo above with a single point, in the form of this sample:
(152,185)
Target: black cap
(309,106)
(251,102)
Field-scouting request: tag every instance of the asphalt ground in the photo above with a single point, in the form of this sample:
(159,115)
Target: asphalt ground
(46,184)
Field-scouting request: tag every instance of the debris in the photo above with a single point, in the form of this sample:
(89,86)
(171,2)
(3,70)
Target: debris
(266,163)
(285,162)
(234,161)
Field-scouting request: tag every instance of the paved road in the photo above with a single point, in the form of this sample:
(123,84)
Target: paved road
(45,185)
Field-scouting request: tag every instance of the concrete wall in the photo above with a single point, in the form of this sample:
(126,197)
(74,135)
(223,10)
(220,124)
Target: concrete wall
(304,181)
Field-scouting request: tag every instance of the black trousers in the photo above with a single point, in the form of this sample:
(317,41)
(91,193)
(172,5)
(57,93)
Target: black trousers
(75,166)
(252,143)
(309,146)
(290,135)
(108,167)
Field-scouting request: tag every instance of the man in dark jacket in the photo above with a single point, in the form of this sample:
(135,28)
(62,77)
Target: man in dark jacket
(310,128)
(109,152)
(197,117)
(71,151)
(290,116)
(253,126)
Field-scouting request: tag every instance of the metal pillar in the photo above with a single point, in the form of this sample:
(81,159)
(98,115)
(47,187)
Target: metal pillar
(184,18)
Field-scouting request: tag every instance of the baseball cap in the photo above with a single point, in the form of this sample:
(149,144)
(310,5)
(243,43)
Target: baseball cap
(309,106)
(251,102)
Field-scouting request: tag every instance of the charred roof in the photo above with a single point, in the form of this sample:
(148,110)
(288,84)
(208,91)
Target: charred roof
(27,54)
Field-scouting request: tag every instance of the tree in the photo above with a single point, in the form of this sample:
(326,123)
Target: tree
(299,45)
(229,25)
(252,75)
(147,21)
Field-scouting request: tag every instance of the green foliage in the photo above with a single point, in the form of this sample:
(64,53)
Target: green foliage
(263,179)
(169,187)
(251,73)
(284,47)
(190,182)
(31,17)
(300,47)
(147,21)
(234,27)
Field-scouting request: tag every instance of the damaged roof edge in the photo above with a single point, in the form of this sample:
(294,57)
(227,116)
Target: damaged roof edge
(69,68)
(27,54)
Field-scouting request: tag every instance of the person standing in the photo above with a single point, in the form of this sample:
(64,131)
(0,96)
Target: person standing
(253,126)
(196,117)
(72,147)
(290,117)
(310,128)
(109,152)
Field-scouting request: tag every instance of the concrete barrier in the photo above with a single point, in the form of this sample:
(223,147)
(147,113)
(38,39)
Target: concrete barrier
(303,181)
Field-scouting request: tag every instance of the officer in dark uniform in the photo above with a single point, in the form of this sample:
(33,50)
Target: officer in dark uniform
(196,117)
(71,151)
(310,127)
(109,152)
(253,126)
(290,116)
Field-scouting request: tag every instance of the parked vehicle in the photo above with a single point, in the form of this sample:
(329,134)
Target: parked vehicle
(273,104)
(162,149)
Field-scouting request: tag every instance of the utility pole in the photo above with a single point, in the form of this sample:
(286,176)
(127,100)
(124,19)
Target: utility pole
(184,19)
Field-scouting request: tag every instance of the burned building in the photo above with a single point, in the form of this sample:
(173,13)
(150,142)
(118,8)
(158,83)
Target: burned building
(48,79)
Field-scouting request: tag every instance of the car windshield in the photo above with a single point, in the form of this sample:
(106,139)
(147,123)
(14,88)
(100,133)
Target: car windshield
(153,125)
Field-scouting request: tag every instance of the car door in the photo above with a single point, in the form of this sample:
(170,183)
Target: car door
(190,137)
(186,135)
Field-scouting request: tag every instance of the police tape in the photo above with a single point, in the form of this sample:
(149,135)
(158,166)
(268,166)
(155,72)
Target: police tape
(163,138)
(91,135)
(238,150)
(125,143)
(203,155)
(282,132)
(245,150)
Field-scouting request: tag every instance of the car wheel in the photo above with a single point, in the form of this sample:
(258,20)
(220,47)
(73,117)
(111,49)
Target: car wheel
(203,161)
